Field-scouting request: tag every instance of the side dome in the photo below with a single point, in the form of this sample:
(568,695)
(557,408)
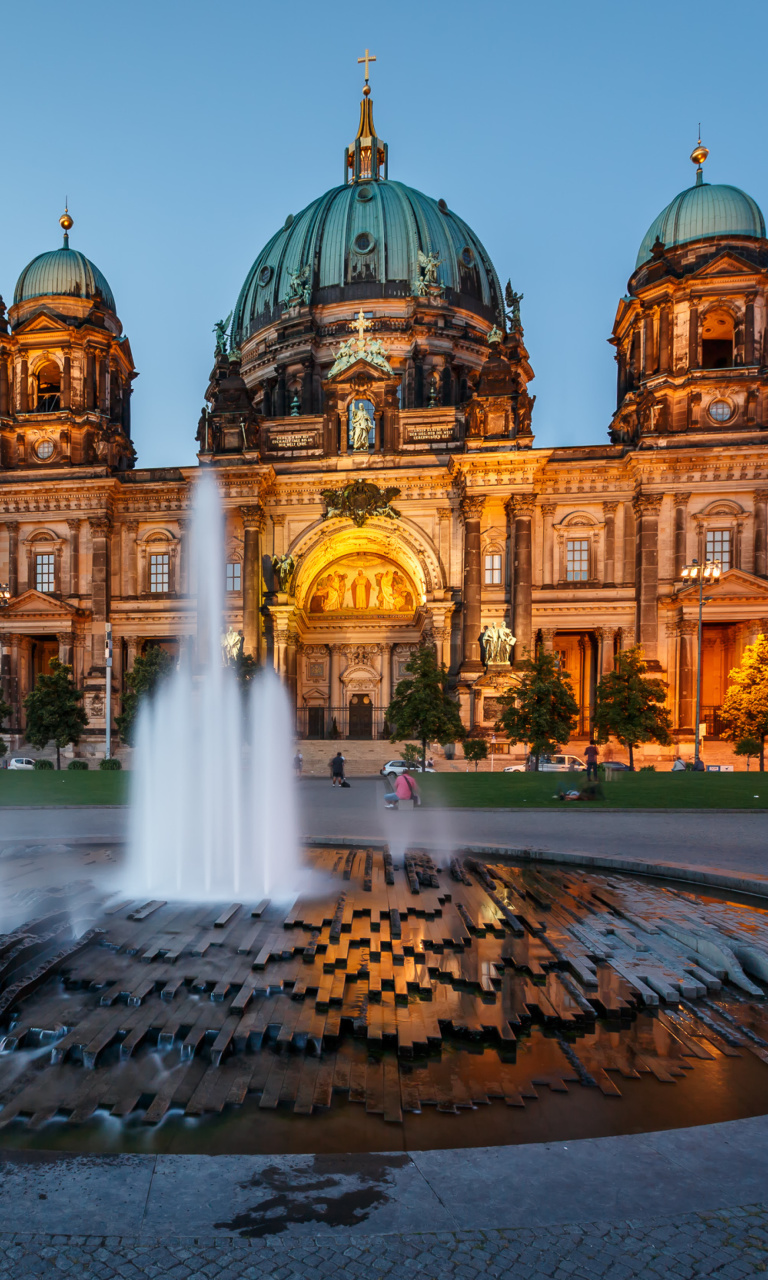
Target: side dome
(701,211)
(64,272)
(363,240)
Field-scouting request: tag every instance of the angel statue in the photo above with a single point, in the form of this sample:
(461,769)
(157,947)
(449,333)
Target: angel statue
(283,567)
(221,329)
(427,281)
(362,423)
(512,301)
(231,644)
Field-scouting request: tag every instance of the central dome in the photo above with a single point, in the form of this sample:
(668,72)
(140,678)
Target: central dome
(362,240)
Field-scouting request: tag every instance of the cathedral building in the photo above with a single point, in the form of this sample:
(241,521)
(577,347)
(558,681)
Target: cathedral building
(369,422)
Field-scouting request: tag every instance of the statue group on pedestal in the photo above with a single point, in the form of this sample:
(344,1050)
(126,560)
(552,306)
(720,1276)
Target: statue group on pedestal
(498,643)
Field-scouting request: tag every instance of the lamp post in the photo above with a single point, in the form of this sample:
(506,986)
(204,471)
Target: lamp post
(701,573)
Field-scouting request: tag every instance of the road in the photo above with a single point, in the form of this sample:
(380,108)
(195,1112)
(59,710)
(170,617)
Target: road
(713,838)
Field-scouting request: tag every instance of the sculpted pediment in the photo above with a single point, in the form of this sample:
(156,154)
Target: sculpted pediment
(34,604)
(726,263)
(735,584)
(43,321)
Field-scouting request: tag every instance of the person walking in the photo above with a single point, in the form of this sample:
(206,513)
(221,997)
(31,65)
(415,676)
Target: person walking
(298,761)
(337,770)
(591,754)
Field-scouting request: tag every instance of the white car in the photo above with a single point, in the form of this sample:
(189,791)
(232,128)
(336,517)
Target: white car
(21,762)
(395,767)
(551,764)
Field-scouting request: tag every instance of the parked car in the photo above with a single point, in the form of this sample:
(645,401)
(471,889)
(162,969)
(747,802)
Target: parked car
(21,762)
(614,764)
(514,768)
(394,767)
(557,764)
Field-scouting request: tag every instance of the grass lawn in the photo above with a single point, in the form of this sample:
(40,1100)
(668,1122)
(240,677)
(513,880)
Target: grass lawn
(629,791)
(53,787)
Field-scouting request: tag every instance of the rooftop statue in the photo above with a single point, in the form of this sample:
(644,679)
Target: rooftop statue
(427,282)
(360,348)
(513,300)
(221,329)
(299,287)
(360,501)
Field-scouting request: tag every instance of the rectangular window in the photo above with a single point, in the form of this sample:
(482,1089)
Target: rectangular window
(234,580)
(493,571)
(158,573)
(577,560)
(719,547)
(44,573)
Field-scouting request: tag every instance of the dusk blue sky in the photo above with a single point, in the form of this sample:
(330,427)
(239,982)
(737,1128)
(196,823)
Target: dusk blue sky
(183,134)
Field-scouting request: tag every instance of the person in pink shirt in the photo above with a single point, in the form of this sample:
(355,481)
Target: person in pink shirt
(405,789)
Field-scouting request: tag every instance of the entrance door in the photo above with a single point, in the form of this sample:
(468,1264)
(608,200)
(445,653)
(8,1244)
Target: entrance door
(315,722)
(360,716)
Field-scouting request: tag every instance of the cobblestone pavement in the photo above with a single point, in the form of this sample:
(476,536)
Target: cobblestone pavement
(728,1244)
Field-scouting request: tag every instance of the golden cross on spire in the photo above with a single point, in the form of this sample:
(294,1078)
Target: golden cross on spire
(360,324)
(369,57)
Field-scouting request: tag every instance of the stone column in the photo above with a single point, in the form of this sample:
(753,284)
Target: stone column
(548,510)
(131,558)
(664,340)
(693,338)
(681,502)
(13,557)
(444,515)
(606,637)
(749,329)
(609,566)
(386,677)
(521,508)
(334,691)
(629,557)
(686,676)
(761,532)
(74,557)
(5,387)
(254,519)
(65,640)
(646,507)
(472,510)
(14,683)
(24,670)
(101,528)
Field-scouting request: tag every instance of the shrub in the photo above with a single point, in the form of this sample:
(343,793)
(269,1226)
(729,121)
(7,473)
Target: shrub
(43,764)
(77,764)
(112,763)
(647,768)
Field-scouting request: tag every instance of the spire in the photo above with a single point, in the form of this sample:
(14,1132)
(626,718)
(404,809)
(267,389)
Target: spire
(366,158)
(698,156)
(65,222)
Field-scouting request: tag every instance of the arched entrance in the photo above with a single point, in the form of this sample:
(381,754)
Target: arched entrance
(360,716)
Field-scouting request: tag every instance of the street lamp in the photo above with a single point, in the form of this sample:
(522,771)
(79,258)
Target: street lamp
(694,572)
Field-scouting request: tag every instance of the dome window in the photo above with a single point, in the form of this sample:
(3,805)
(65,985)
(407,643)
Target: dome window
(720,410)
(364,242)
(48,388)
(442,206)
(467,256)
(265,275)
(717,340)
(44,450)
(364,193)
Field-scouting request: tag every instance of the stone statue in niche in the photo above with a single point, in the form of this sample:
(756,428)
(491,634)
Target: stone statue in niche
(283,567)
(231,644)
(361,424)
(498,643)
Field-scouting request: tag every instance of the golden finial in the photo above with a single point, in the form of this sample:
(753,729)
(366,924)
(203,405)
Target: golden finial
(699,153)
(65,221)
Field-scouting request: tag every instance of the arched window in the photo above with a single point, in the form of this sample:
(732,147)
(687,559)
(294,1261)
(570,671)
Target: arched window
(48,388)
(717,339)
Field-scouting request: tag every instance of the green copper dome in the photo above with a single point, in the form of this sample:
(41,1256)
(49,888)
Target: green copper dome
(362,240)
(700,211)
(62,272)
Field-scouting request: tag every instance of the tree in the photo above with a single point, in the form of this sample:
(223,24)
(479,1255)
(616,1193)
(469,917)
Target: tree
(747,747)
(745,708)
(54,711)
(142,681)
(542,710)
(630,705)
(421,707)
(5,711)
(475,749)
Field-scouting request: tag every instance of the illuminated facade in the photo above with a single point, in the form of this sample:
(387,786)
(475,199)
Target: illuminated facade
(368,420)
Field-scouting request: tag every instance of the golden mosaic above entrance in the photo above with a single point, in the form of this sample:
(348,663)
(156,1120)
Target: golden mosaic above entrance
(357,583)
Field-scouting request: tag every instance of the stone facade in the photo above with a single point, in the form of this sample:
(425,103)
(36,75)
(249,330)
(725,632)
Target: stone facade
(467,524)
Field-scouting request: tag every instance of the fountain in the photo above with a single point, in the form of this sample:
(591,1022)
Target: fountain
(213,812)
